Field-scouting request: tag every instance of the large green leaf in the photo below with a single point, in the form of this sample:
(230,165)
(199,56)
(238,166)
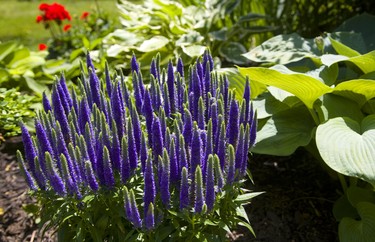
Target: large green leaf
(360,90)
(238,81)
(306,88)
(155,43)
(284,132)
(283,49)
(6,49)
(232,52)
(342,49)
(267,105)
(352,230)
(349,147)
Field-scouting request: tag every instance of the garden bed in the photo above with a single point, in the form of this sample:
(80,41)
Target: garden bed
(297,205)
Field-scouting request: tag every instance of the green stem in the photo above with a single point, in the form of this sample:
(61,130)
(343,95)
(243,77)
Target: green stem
(314,116)
(342,182)
(97,7)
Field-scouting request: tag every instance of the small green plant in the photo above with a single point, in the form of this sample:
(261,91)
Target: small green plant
(15,108)
(165,162)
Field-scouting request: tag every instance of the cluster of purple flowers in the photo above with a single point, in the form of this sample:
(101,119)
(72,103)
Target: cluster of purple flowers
(187,140)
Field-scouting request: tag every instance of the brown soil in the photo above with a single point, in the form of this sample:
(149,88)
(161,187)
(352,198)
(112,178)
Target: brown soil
(297,205)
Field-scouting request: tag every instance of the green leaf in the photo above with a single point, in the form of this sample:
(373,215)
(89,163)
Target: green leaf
(351,230)
(342,208)
(232,52)
(155,43)
(6,49)
(266,105)
(36,86)
(193,50)
(342,49)
(237,81)
(349,147)
(306,88)
(357,194)
(365,62)
(283,49)
(284,132)
(247,197)
(360,90)
(333,106)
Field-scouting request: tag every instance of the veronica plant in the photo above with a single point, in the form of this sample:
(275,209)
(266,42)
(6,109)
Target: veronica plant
(164,162)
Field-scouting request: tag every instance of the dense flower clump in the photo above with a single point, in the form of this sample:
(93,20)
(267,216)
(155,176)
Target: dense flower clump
(53,12)
(184,136)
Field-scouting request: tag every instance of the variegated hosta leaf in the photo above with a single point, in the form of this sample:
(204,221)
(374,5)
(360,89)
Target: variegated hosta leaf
(349,147)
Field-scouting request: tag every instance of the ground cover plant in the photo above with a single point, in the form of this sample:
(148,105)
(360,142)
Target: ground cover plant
(322,97)
(142,166)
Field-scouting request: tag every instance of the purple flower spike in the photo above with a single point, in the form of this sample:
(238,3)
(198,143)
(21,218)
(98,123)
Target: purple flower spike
(91,179)
(116,148)
(84,114)
(90,144)
(245,152)
(157,138)
(46,104)
(196,150)
(240,149)
(165,179)
(218,173)
(44,144)
(210,184)
(136,129)
(25,172)
(231,165)
(89,63)
(180,67)
(134,64)
(166,98)
(136,218)
(154,70)
(233,124)
(197,89)
(66,91)
(59,112)
(184,190)
(198,194)
(71,185)
(188,127)
(132,148)
(201,118)
(107,169)
(149,187)
(53,177)
(128,205)
(144,152)
(150,217)
(246,96)
(148,111)
(221,146)
(94,87)
(137,92)
(108,81)
(125,168)
(30,153)
(117,109)
(209,143)
(171,87)
(173,162)
(182,154)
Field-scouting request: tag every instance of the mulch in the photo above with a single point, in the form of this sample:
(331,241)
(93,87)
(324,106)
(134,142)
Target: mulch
(297,205)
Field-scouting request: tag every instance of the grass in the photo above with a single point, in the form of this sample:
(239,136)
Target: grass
(17,20)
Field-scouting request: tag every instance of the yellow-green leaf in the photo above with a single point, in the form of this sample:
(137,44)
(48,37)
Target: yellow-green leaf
(306,88)
(360,90)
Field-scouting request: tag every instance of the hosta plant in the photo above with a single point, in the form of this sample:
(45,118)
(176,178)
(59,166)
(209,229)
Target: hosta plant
(165,162)
(322,98)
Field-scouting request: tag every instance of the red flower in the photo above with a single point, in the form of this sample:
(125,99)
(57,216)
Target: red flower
(67,27)
(54,11)
(84,15)
(39,19)
(42,47)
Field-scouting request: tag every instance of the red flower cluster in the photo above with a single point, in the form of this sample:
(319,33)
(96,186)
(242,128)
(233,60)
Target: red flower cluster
(42,46)
(67,27)
(52,11)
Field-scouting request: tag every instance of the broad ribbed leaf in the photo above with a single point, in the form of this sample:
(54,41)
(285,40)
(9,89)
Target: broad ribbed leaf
(352,230)
(306,88)
(365,62)
(284,132)
(283,49)
(233,51)
(238,81)
(342,49)
(360,90)
(155,43)
(349,147)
